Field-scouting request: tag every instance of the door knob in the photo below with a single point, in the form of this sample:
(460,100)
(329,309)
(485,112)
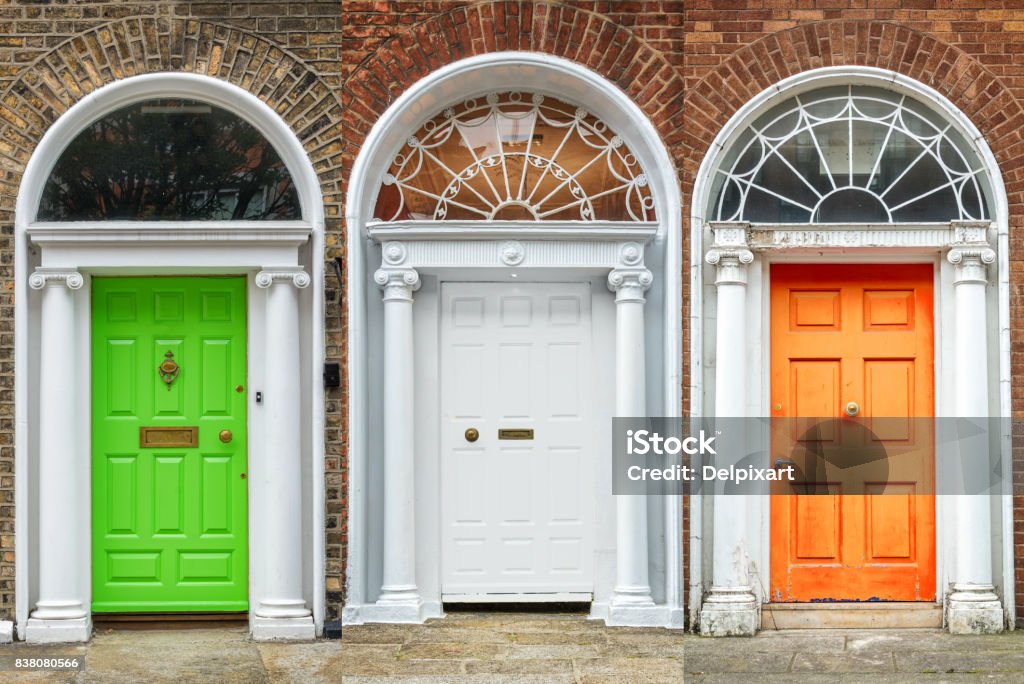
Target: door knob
(472,434)
(784,463)
(852,408)
(225,436)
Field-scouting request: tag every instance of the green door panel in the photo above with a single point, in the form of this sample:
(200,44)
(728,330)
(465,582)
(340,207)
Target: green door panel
(169,523)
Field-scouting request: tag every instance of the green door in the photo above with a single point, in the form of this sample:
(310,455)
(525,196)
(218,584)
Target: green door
(169,528)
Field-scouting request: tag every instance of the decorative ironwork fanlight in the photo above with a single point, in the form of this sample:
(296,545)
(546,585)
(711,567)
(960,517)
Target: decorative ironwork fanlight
(850,154)
(515,156)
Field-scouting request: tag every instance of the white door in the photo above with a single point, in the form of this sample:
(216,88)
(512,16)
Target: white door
(517,507)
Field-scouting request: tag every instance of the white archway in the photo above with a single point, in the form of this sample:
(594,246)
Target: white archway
(506,71)
(733,245)
(281,251)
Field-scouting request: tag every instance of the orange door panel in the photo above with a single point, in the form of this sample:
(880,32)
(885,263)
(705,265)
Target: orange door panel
(864,334)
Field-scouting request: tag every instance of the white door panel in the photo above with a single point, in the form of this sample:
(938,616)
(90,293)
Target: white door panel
(517,515)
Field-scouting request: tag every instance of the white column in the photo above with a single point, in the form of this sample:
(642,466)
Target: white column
(731,606)
(631,602)
(399,599)
(973,606)
(280,611)
(61,613)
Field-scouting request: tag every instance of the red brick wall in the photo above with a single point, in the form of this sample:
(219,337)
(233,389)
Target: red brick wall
(970,51)
(704,56)
(390,44)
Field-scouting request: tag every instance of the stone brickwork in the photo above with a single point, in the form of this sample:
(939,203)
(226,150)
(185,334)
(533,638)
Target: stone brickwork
(332,67)
(970,51)
(390,44)
(285,53)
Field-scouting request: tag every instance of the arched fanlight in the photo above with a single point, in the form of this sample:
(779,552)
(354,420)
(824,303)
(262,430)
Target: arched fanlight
(515,156)
(850,154)
(169,159)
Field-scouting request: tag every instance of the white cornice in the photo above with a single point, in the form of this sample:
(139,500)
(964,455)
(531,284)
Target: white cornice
(938,236)
(603,231)
(213,232)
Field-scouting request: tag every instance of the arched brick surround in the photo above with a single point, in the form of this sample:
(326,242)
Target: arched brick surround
(597,41)
(135,46)
(131,46)
(985,98)
(586,37)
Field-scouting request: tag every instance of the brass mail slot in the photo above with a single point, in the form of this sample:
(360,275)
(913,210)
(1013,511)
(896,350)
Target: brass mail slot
(165,437)
(518,433)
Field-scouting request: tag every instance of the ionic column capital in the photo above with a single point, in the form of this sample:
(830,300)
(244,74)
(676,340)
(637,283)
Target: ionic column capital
(297,276)
(970,261)
(398,283)
(55,277)
(629,284)
(730,253)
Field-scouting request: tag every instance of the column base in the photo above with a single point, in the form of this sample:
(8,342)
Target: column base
(974,609)
(43,631)
(385,613)
(399,606)
(282,629)
(729,611)
(286,609)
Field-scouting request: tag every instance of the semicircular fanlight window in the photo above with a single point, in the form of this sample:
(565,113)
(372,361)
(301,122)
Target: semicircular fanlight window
(850,154)
(169,159)
(515,156)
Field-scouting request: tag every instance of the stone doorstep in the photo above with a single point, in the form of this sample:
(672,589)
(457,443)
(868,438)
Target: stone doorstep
(867,615)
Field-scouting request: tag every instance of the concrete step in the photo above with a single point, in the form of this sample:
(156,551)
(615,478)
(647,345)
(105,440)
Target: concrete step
(868,615)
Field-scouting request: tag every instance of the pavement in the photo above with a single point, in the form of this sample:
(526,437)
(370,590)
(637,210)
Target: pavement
(531,648)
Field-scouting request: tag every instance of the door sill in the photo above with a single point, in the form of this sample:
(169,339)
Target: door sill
(152,621)
(866,615)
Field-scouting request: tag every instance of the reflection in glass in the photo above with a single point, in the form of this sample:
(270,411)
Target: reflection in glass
(169,160)
(850,154)
(515,156)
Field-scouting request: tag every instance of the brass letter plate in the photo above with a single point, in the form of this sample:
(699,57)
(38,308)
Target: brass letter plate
(165,437)
(518,433)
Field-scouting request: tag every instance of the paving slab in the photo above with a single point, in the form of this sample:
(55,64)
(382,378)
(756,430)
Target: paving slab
(880,661)
(509,648)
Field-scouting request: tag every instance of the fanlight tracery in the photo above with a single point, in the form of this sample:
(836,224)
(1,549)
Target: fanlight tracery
(515,156)
(850,154)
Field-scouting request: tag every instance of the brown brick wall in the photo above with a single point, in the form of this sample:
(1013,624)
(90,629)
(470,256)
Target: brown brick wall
(51,54)
(304,58)
(970,51)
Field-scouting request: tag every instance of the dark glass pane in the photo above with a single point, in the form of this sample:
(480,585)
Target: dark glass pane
(169,160)
(851,205)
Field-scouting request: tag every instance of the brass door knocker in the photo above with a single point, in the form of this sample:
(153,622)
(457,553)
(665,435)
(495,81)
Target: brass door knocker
(169,370)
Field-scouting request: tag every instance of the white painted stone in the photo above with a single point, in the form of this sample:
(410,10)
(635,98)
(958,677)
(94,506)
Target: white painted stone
(282,629)
(974,610)
(631,602)
(60,607)
(280,597)
(140,248)
(731,608)
(572,250)
(6,631)
(973,607)
(729,611)
(58,631)
(399,599)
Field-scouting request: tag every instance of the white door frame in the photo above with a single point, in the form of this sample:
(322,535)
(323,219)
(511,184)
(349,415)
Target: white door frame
(451,245)
(283,254)
(760,245)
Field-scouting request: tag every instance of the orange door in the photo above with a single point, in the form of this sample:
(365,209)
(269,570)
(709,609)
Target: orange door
(840,334)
